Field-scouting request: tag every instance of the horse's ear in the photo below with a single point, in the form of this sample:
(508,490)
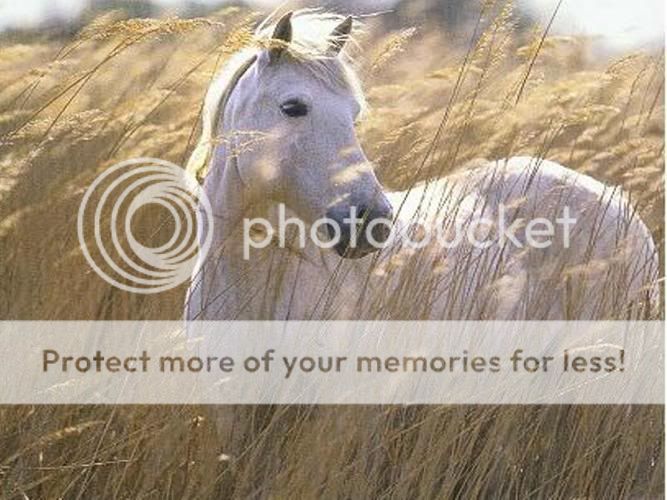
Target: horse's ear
(340,35)
(282,34)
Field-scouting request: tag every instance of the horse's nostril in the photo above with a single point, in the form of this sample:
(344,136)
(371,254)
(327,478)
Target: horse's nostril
(331,230)
(381,232)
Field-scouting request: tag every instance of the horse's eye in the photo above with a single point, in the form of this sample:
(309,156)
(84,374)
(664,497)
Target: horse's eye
(294,108)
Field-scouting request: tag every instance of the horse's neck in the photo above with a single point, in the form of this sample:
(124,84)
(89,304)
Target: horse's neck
(270,282)
(229,201)
(233,205)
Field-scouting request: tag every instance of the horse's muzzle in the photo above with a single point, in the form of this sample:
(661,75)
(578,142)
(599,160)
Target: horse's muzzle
(360,230)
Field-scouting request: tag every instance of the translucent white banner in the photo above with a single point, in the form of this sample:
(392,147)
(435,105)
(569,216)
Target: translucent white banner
(332,363)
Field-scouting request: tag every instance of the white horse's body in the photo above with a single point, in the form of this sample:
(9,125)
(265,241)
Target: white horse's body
(611,263)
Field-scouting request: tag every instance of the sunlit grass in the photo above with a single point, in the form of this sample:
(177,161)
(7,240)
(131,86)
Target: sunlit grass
(124,89)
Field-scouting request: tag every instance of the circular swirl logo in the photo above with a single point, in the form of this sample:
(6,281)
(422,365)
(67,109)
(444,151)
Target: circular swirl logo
(163,200)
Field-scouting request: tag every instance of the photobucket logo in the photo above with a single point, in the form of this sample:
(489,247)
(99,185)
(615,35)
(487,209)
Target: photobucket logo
(476,231)
(111,204)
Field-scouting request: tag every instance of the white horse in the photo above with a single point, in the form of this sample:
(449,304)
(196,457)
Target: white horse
(278,130)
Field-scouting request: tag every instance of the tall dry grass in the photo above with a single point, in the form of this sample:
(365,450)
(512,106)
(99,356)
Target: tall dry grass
(130,88)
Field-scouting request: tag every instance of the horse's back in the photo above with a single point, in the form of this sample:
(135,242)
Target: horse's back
(608,263)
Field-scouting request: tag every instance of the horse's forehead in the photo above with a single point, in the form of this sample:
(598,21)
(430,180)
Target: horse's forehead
(302,76)
(290,78)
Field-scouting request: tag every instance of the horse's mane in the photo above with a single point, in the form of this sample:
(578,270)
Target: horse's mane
(310,46)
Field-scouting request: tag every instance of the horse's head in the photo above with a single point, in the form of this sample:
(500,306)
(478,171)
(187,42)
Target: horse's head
(300,100)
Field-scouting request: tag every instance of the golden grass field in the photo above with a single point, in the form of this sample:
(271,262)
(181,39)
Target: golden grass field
(119,89)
